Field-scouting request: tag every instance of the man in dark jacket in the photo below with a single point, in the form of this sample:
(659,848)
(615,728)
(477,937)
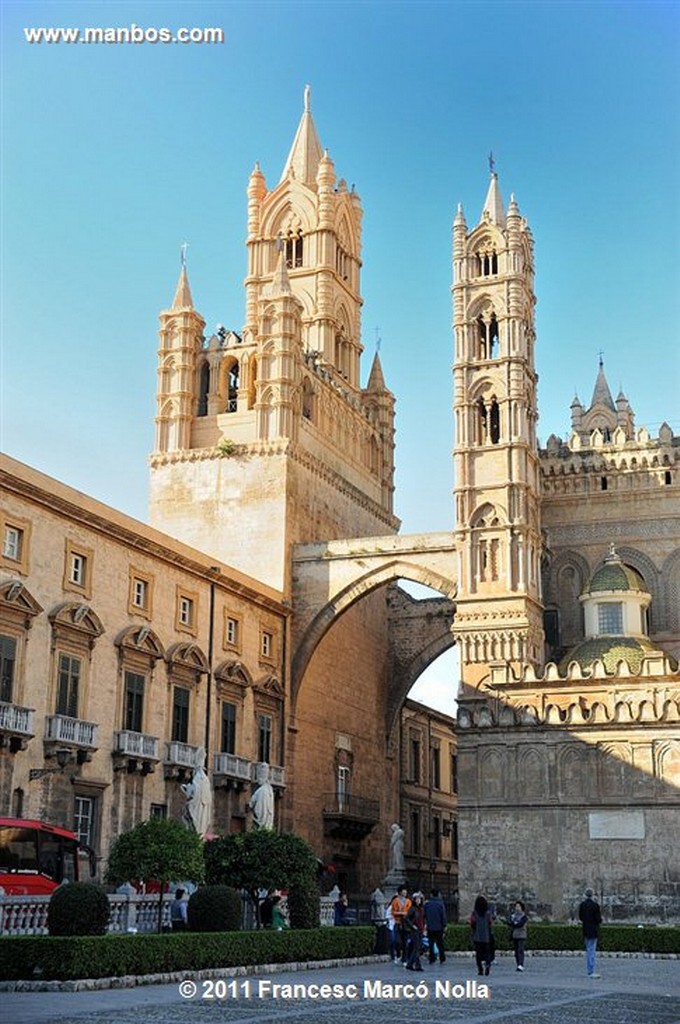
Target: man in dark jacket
(590,917)
(435,920)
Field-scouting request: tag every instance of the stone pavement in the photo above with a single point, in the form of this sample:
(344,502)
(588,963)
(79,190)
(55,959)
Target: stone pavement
(553,990)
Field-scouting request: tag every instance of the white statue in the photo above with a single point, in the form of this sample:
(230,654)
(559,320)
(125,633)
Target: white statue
(198,809)
(396,848)
(262,800)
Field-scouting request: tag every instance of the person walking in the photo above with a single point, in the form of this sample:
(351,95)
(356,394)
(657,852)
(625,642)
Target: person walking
(481,921)
(435,921)
(518,921)
(590,917)
(414,925)
(178,912)
(400,906)
(340,910)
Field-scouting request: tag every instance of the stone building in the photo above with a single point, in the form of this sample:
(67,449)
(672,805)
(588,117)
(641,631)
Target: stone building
(429,805)
(124,652)
(278,627)
(569,711)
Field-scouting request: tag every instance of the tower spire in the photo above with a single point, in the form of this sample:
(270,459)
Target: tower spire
(306,152)
(494,208)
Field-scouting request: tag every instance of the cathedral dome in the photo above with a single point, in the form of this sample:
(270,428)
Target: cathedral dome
(610,650)
(613,575)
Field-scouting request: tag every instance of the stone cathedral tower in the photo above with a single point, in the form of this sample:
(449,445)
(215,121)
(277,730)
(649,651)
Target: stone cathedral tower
(497,488)
(265,438)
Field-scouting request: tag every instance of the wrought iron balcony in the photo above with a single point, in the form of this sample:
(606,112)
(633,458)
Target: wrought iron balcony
(16,726)
(349,816)
(229,770)
(134,751)
(70,732)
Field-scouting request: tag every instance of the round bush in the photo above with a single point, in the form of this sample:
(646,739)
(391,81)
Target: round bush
(214,908)
(304,904)
(78,908)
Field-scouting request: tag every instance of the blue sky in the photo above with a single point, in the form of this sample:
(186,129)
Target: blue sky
(112,156)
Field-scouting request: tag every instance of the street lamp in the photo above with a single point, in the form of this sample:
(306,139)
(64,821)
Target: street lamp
(63,758)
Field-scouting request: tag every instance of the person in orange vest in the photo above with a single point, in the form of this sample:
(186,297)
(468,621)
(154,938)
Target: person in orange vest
(399,908)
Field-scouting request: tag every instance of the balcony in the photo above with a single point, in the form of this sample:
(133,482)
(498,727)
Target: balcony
(180,760)
(230,771)
(73,733)
(349,816)
(277,775)
(16,726)
(134,751)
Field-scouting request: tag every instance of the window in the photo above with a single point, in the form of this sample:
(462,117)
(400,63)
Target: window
(67,686)
(293,246)
(8,657)
(454,840)
(15,537)
(264,737)
(203,389)
(78,568)
(231,632)
(158,811)
(415,831)
(343,787)
(267,645)
(228,744)
(180,714)
(436,836)
(84,820)
(435,768)
(12,544)
(414,760)
(134,702)
(232,388)
(610,618)
(454,773)
(186,611)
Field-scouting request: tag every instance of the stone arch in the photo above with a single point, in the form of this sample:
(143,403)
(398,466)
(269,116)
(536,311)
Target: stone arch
(670,589)
(645,568)
(568,574)
(384,573)
(291,199)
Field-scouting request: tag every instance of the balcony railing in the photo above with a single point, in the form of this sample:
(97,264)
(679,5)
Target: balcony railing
(135,744)
(61,729)
(348,816)
(16,719)
(277,774)
(180,754)
(351,806)
(232,766)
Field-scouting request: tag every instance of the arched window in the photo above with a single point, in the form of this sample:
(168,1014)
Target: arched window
(494,422)
(203,388)
(293,245)
(232,388)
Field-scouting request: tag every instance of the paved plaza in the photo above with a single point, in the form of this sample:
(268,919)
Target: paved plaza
(552,990)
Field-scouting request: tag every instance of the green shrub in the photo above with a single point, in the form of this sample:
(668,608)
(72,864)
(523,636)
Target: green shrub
(566,937)
(79,908)
(304,904)
(114,956)
(214,908)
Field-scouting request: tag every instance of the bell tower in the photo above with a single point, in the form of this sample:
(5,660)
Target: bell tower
(278,443)
(496,489)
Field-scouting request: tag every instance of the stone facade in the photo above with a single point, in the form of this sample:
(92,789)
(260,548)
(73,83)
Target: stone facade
(124,651)
(568,727)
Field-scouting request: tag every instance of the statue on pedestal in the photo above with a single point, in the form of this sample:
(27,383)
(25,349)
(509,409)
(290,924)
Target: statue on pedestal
(396,875)
(262,800)
(197,812)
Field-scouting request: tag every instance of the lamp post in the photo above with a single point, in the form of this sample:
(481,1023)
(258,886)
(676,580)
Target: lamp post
(63,758)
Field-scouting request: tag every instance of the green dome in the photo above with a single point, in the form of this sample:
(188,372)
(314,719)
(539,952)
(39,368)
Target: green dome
(610,650)
(614,575)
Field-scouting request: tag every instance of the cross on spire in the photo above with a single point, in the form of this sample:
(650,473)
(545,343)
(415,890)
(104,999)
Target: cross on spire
(492,163)
(183,255)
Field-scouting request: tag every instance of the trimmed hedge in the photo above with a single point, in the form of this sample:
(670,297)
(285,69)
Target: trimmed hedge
(614,938)
(113,956)
(214,908)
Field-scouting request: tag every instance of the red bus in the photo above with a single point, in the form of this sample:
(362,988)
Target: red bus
(35,858)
